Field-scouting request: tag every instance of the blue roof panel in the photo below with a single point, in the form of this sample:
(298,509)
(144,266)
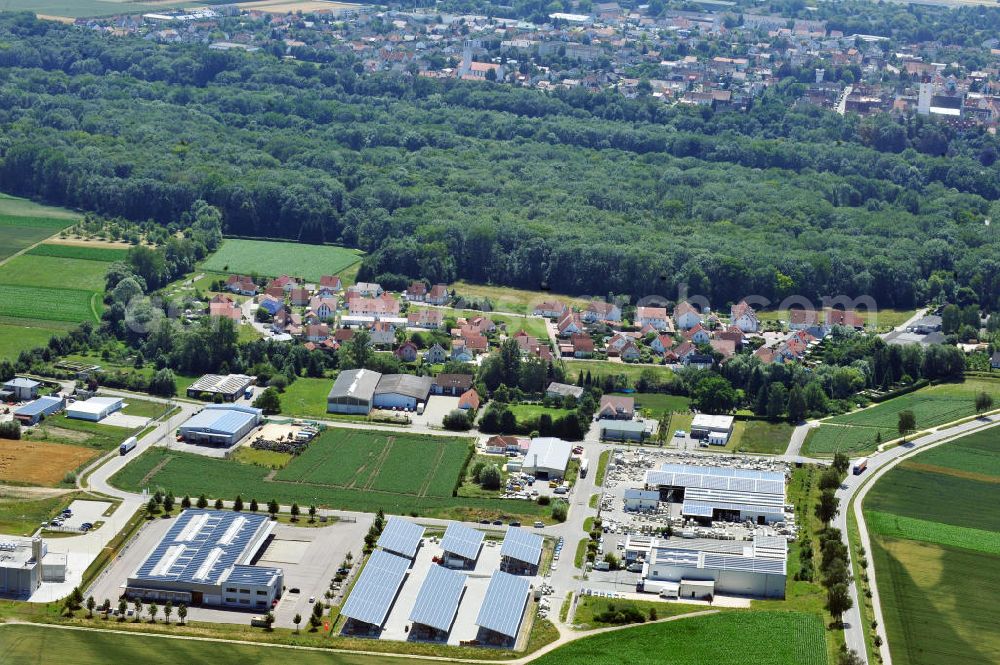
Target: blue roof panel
(503,606)
(462,540)
(438,599)
(376,588)
(401,537)
(522,545)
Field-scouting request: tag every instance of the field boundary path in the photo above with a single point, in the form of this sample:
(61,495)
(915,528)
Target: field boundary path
(854,488)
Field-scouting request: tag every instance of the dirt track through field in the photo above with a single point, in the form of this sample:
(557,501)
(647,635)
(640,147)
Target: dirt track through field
(380,461)
(954,473)
(155,470)
(430,476)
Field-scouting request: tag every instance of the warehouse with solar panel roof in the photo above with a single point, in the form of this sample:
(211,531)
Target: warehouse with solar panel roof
(205,558)
(467,587)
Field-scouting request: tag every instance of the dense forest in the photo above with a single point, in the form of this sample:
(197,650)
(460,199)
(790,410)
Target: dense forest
(578,192)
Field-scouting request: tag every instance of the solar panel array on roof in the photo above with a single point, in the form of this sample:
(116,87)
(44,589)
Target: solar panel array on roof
(438,598)
(401,536)
(202,544)
(522,545)
(251,575)
(744,563)
(504,603)
(376,588)
(461,540)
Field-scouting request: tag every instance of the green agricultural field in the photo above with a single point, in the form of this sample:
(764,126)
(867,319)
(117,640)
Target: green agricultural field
(826,440)
(909,528)
(351,469)
(47,304)
(14,339)
(43,645)
(936,551)
(54,272)
(939,603)
(932,406)
(24,223)
(727,638)
(82,252)
(280,258)
(656,403)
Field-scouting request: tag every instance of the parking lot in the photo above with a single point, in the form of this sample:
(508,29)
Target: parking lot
(85,512)
(437,407)
(309,557)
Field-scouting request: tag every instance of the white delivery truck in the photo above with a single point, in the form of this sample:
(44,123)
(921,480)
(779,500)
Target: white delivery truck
(127,445)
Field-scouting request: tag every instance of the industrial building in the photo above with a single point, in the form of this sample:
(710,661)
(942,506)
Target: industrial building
(461,546)
(561,390)
(401,537)
(402,391)
(520,552)
(205,559)
(437,604)
(353,392)
(502,610)
(374,594)
(220,424)
(710,493)
(622,430)
(641,501)
(33,412)
(547,458)
(19,389)
(702,568)
(716,429)
(94,409)
(229,386)
(25,564)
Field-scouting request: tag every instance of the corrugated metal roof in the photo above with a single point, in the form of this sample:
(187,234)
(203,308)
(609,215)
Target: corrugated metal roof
(356,383)
(221,419)
(548,453)
(503,606)
(401,536)
(438,598)
(376,588)
(522,545)
(40,405)
(462,540)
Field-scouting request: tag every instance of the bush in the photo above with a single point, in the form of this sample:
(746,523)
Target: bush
(544,500)
(559,511)
(10,430)
(490,477)
(457,421)
(620,614)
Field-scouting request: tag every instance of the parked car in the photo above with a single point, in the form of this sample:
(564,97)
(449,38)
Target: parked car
(680,434)
(539,524)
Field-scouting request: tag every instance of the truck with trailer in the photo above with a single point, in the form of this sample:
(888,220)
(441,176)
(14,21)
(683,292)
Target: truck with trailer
(127,445)
(584,467)
(860,466)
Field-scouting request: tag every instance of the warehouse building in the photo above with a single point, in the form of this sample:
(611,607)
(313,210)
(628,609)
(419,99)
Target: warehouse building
(25,564)
(437,602)
(721,493)
(229,387)
(702,568)
(520,552)
(374,594)
(502,611)
(94,409)
(204,559)
(353,392)
(547,458)
(461,546)
(641,501)
(33,412)
(220,424)
(715,429)
(622,430)
(402,391)
(20,389)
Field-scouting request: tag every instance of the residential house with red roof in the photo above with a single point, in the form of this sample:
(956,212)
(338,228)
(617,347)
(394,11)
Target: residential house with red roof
(652,316)
(407,352)
(686,315)
(600,311)
(329,284)
(438,295)
(743,316)
(431,319)
(241,284)
(469,401)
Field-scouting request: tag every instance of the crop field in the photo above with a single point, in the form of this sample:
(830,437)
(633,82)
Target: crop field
(91,8)
(40,462)
(54,272)
(358,460)
(727,638)
(306,397)
(936,550)
(280,258)
(414,474)
(14,338)
(764,437)
(909,528)
(47,304)
(292,6)
(826,440)
(81,252)
(23,223)
(939,603)
(43,645)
